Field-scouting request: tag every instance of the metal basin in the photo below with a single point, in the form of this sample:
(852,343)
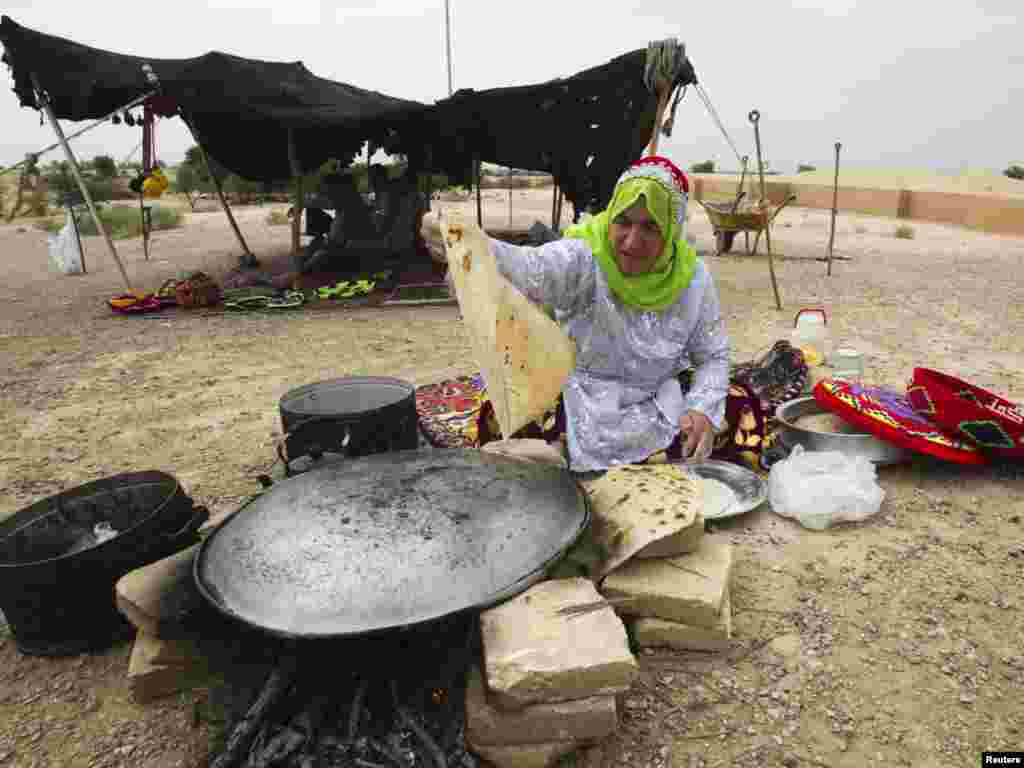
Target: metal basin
(390,540)
(858,444)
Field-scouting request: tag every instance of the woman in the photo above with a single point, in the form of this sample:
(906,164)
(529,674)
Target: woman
(642,308)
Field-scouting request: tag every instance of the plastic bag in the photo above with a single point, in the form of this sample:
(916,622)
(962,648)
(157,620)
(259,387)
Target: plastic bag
(65,253)
(822,488)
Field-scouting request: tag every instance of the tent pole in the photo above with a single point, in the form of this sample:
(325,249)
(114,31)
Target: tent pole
(298,197)
(220,192)
(554,201)
(44,100)
(835,206)
(477,165)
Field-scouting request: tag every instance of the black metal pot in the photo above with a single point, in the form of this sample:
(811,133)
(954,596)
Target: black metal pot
(57,579)
(354,416)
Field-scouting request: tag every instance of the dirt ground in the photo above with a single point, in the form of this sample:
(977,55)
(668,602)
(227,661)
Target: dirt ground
(892,642)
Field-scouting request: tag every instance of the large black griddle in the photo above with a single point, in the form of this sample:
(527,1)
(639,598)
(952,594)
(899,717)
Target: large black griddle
(390,540)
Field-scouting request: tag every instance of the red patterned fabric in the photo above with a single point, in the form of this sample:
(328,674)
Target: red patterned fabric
(991,422)
(888,415)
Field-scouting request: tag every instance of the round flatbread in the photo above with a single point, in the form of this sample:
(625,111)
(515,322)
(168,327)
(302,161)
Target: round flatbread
(634,506)
(524,356)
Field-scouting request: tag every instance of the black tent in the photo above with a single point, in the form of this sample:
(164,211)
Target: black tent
(583,129)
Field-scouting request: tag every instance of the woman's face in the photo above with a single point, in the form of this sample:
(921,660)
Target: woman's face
(637,239)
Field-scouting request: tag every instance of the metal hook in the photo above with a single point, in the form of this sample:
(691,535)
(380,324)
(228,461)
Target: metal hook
(754,116)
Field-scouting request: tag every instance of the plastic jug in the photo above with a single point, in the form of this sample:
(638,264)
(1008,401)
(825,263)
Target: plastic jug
(811,335)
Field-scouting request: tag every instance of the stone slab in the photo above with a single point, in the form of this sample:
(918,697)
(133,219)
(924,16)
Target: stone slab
(152,597)
(590,719)
(534,655)
(689,589)
(148,677)
(658,633)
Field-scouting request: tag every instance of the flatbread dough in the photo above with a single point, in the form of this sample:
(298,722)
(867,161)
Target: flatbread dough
(524,356)
(634,506)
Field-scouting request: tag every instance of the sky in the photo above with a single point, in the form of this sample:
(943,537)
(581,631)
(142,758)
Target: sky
(902,84)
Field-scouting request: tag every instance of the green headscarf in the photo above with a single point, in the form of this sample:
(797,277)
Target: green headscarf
(672,272)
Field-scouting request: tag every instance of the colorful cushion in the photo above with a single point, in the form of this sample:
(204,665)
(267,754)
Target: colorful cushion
(448,411)
(991,422)
(888,415)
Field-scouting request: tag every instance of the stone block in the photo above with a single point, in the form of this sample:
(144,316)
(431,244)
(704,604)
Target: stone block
(689,589)
(157,668)
(153,597)
(658,633)
(590,719)
(533,654)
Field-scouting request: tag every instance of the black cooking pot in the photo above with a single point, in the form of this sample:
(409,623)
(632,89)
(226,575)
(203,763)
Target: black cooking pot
(353,416)
(57,576)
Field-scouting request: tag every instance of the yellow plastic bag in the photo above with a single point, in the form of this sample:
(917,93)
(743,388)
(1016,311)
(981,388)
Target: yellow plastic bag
(155,184)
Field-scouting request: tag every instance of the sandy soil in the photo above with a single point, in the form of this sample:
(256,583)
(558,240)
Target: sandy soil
(892,642)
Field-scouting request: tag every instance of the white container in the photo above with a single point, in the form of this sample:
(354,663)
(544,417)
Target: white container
(811,336)
(848,364)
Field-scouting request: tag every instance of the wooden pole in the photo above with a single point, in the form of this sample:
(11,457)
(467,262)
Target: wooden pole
(478,166)
(835,207)
(664,94)
(78,236)
(247,255)
(44,100)
(145,228)
(554,202)
(298,197)
(755,117)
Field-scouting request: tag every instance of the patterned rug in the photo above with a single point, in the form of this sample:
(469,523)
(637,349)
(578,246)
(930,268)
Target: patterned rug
(448,411)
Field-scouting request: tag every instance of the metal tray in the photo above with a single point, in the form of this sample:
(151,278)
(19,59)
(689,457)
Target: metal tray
(750,488)
(852,444)
(390,540)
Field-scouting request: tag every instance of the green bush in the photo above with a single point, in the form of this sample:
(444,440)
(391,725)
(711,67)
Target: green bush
(904,232)
(277,218)
(801,168)
(123,221)
(104,167)
(1015,172)
(708,166)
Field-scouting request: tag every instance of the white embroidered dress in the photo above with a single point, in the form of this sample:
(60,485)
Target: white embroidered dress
(623,401)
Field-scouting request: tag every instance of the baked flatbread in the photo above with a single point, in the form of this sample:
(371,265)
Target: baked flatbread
(525,358)
(634,506)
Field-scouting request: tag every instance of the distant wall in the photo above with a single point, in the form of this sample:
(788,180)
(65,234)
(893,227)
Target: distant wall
(1001,215)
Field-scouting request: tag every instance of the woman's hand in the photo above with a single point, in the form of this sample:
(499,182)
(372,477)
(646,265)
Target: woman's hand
(698,435)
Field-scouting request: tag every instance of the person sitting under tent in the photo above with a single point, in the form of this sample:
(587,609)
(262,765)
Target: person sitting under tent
(352,220)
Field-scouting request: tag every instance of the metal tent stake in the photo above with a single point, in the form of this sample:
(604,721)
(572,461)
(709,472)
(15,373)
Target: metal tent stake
(835,207)
(44,101)
(754,118)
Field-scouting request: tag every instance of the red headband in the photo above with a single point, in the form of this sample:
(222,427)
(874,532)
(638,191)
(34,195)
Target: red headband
(663,162)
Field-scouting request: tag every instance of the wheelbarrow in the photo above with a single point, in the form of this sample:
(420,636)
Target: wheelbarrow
(729,218)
